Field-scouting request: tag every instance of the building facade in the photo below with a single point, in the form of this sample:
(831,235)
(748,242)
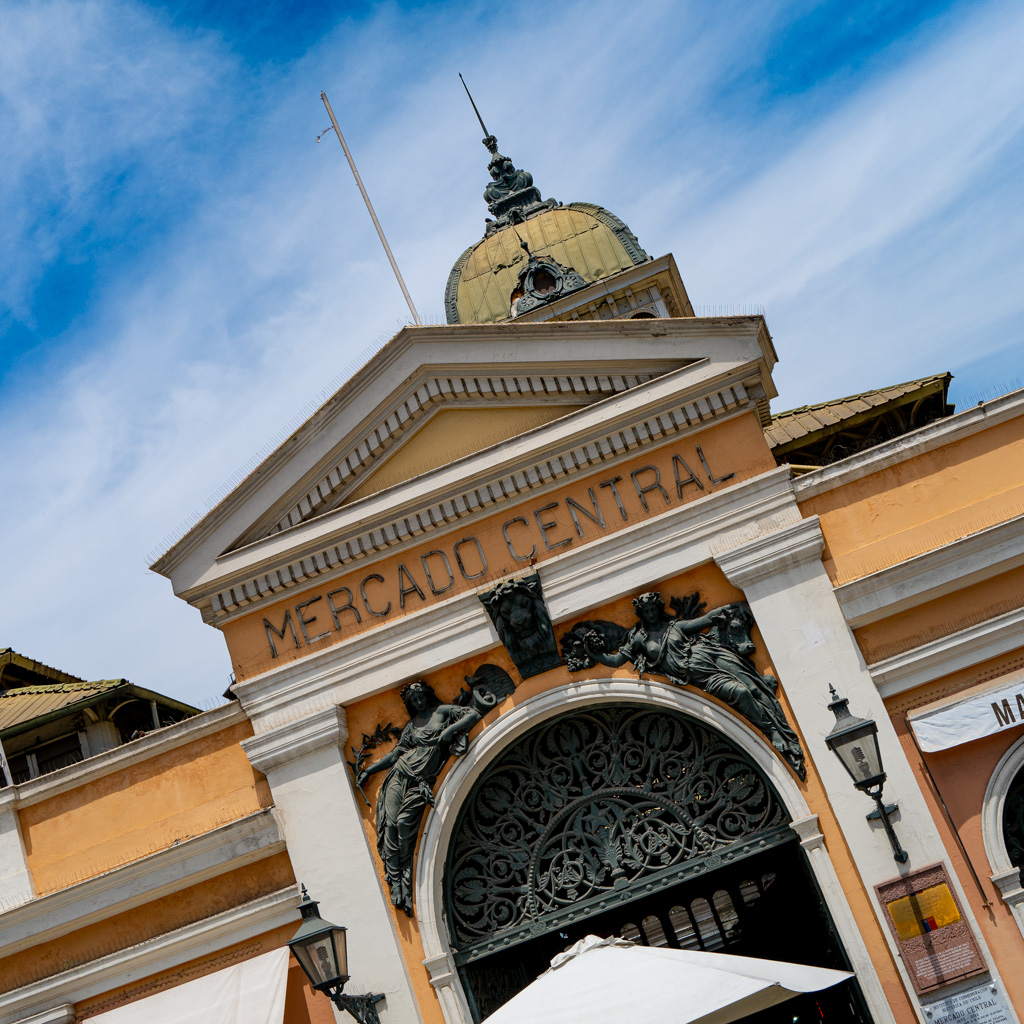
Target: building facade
(539,625)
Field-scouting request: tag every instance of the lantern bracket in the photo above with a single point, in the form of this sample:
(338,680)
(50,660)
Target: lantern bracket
(363,1008)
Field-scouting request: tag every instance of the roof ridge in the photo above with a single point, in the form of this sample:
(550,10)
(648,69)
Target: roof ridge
(919,382)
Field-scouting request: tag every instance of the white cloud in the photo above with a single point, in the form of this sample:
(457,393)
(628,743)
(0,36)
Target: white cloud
(272,280)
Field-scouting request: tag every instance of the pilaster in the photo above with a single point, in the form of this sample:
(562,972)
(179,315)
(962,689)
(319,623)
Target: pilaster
(811,646)
(315,804)
(15,880)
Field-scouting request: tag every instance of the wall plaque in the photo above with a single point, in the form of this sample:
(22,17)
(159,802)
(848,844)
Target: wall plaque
(982,1004)
(925,916)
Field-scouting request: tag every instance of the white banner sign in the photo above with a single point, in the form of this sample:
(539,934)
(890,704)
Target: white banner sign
(986,713)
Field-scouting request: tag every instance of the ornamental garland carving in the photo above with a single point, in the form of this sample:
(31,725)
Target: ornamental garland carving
(710,652)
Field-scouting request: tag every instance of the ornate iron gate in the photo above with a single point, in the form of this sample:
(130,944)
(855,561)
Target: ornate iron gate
(595,809)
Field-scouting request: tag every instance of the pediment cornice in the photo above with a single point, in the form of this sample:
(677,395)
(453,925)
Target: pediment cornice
(604,434)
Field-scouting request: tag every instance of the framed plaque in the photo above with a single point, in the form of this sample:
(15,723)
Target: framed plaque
(926,919)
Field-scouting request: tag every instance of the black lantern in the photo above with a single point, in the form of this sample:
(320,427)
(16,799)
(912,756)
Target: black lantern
(855,742)
(320,948)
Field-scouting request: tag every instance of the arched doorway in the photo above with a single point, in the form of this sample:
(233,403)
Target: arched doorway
(633,820)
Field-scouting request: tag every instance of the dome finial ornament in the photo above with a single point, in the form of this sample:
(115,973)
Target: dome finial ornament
(511,195)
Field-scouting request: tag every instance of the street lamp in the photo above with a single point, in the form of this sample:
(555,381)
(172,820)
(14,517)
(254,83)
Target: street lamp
(855,742)
(319,946)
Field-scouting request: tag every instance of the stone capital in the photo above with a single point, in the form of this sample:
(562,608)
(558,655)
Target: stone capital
(292,740)
(784,549)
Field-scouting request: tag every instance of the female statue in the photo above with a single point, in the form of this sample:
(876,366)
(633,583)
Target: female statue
(678,648)
(434,732)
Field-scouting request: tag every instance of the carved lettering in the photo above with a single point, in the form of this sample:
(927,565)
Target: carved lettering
(597,516)
(347,607)
(545,528)
(615,492)
(435,590)
(707,469)
(403,589)
(304,622)
(366,601)
(279,633)
(642,492)
(683,481)
(480,555)
(508,540)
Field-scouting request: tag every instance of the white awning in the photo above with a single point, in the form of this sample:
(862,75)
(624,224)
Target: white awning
(984,712)
(251,992)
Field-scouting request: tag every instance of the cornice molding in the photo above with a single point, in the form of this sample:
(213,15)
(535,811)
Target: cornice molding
(327,727)
(118,758)
(965,561)
(782,550)
(167,871)
(949,654)
(520,347)
(908,446)
(513,479)
(458,628)
(161,953)
(465,390)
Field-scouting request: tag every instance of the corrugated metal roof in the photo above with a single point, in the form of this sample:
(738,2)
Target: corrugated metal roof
(800,424)
(24,703)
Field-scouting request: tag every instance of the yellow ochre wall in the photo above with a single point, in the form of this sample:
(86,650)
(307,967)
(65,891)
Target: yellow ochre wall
(922,503)
(156,802)
(364,716)
(735,446)
(154,918)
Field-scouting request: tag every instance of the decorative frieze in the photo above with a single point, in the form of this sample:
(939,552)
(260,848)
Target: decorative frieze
(484,496)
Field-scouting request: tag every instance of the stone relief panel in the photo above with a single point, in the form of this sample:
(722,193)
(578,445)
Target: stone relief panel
(708,651)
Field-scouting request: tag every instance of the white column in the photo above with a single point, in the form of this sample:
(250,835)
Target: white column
(315,804)
(15,881)
(811,646)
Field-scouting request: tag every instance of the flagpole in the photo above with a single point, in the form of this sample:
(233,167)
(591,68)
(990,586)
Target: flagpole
(369,206)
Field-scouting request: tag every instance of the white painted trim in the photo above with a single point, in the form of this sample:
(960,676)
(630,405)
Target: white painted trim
(675,405)
(908,446)
(965,561)
(161,953)
(63,1014)
(327,727)
(592,347)
(949,654)
(1005,875)
(457,785)
(746,560)
(140,882)
(574,581)
(118,758)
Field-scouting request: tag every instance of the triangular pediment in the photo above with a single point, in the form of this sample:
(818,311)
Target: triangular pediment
(442,409)
(444,418)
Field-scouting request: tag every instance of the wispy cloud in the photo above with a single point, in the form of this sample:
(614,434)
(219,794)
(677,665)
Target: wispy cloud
(238,273)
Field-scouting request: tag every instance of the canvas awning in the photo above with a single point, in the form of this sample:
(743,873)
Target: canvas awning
(610,981)
(251,992)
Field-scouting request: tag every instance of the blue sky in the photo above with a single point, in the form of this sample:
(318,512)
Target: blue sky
(184,270)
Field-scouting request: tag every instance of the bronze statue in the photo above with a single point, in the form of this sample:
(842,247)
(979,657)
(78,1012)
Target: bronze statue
(434,732)
(716,661)
(517,609)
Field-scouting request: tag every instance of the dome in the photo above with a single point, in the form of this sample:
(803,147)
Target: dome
(583,237)
(534,250)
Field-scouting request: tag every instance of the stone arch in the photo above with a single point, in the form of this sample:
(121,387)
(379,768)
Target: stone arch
(1006,876)
(458,784)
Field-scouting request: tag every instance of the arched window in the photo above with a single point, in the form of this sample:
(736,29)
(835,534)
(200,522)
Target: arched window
(1002,828)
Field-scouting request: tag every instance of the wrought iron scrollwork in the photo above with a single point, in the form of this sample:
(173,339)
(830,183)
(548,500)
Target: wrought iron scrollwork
(593,808)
